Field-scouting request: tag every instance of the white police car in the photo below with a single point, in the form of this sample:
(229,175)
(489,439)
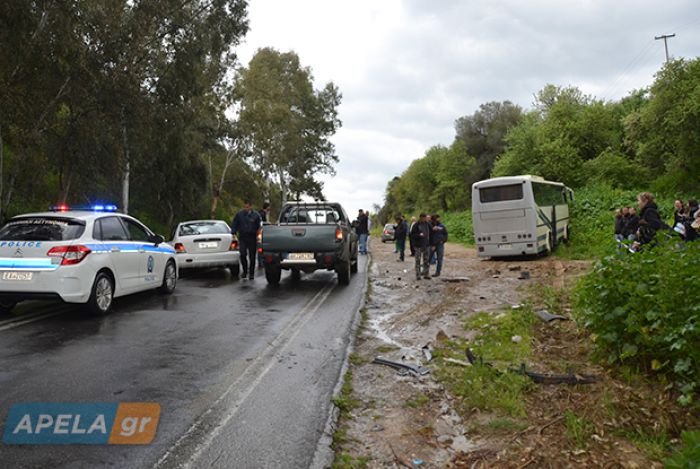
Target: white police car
(88,255)
(206,243)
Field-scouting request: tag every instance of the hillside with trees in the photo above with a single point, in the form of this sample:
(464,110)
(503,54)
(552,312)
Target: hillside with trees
(649,139)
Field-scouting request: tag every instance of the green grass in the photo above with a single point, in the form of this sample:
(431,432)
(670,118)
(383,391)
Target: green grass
(345,461)
(357,359)
(655,445)
(419,401)
(386,348)
(578,429)
(484,387)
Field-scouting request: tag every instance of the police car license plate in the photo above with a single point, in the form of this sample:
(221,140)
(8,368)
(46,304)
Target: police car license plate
(505,246)
(301,256)
(18,276)
(211,244)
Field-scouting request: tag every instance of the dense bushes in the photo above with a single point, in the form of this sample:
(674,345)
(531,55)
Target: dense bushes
(459,226)
(643,311)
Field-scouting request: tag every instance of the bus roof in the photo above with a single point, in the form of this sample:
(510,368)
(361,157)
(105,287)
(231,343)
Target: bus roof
(499,181)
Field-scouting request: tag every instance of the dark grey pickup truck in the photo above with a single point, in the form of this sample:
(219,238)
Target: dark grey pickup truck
(309,237)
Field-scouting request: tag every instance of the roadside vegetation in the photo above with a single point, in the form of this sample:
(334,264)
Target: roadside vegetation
(637,316)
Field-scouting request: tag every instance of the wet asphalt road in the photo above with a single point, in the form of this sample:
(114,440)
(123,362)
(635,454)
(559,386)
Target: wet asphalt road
(244,372)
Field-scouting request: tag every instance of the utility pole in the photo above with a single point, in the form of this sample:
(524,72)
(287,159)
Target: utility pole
(665,37)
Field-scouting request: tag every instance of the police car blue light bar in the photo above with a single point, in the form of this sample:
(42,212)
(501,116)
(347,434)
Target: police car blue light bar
(84,208)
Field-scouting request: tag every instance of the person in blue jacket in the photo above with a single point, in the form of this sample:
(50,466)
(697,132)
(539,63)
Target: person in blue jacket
(246,223)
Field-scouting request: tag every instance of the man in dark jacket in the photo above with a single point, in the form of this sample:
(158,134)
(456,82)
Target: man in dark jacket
(400,233)
(246,223)
(438,238)
(362,231)
(420,233)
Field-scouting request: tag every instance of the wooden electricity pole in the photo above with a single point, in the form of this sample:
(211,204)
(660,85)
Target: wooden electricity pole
(665,37)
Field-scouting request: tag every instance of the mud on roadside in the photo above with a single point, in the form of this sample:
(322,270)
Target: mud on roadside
(403,420)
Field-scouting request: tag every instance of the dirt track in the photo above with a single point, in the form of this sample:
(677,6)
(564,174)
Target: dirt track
(410,421)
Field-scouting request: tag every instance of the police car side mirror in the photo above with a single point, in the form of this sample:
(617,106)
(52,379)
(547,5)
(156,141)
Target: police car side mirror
(156,239)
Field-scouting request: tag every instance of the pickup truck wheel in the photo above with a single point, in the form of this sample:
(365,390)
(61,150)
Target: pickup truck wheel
(343,270)
(296,275)
(273,274)
(6,306)
(353,266)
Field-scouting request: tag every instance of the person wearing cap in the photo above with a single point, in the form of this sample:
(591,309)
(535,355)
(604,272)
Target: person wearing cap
(420,234)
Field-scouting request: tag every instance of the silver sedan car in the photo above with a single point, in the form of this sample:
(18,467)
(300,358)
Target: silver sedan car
(206,243)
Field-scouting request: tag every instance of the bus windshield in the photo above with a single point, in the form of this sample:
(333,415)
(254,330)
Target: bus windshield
(501,193)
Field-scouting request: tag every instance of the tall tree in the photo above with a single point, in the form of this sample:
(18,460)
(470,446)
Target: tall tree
(483,133)
(288,124)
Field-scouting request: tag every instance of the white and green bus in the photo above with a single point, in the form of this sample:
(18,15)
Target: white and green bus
(519,215)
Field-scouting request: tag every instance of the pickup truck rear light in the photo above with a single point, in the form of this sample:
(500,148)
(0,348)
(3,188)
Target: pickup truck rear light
(234,246)
(258,238)
(70,255)
(180,248)
(338,235)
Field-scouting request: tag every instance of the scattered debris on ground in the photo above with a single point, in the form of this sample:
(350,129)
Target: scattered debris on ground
(527,409)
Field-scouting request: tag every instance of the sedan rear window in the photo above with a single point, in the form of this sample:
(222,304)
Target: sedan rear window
(42,229)
(202,228)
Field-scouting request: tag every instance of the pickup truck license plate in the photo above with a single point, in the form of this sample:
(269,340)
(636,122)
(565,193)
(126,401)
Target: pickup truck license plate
(301,256)
(505,246)
(18,276)
(211,244)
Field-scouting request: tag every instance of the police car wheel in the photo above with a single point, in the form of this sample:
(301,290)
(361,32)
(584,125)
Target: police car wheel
(7,306)
(235,270)
(169,278)
(102,294)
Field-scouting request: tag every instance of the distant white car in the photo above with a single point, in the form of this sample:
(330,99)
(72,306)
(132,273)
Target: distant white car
(85,255)
(206,243)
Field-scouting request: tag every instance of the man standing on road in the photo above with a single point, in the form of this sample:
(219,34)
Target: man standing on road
(438,238)
(420,233)
(246,223)
(400,233)
(362,230)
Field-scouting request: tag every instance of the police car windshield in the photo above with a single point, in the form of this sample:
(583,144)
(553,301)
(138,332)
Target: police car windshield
(42,229)
(201,228)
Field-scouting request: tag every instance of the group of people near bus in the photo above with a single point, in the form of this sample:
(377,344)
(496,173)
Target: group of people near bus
(641,228)
(427,237)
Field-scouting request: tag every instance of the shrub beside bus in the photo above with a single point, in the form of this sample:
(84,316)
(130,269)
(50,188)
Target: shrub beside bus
(519,215)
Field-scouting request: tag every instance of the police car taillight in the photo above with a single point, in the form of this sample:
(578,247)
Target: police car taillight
(70,255)
(179,247)
(234,246)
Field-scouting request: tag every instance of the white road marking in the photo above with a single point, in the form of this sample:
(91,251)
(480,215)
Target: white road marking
(28,318)
(254,373)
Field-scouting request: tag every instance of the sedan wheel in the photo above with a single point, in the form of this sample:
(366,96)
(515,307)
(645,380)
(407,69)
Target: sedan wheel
(100,301)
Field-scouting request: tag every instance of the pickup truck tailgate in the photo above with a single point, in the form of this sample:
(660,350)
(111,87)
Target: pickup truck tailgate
(299,238)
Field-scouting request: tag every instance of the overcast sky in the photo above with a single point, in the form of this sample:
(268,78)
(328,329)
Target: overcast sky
(408,69)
